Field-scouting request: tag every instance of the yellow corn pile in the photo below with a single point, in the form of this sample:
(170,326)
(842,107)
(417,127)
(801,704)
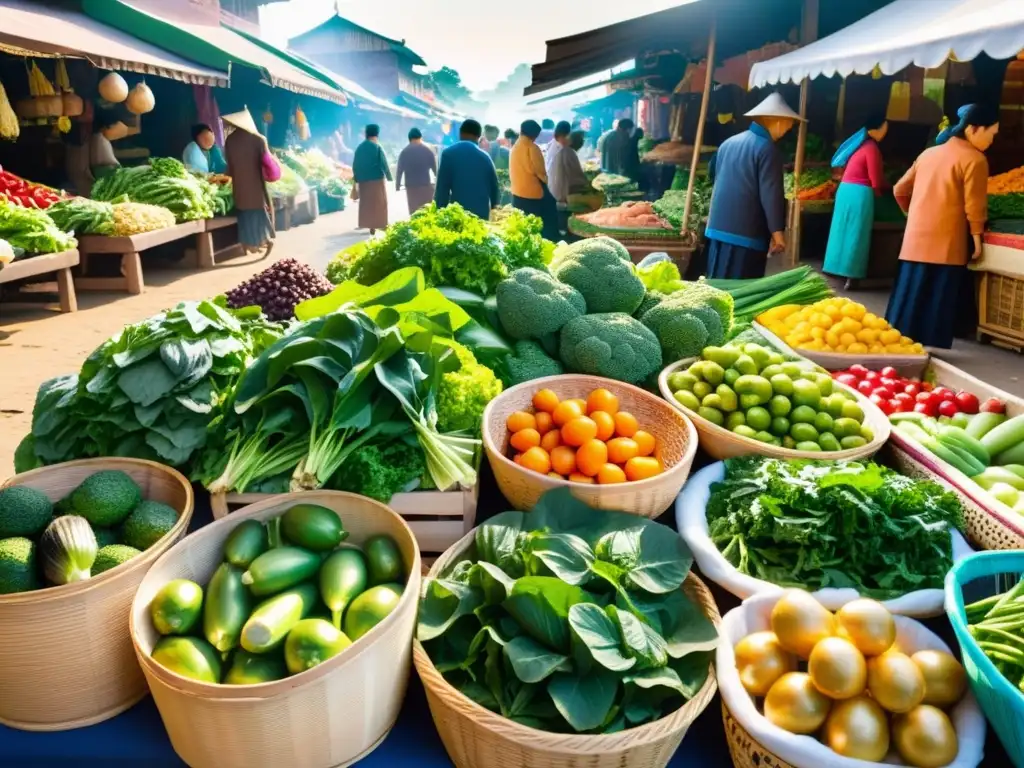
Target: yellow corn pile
(136,218)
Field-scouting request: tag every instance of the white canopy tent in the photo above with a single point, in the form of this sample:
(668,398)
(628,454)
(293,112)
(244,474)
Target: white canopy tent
(924,33)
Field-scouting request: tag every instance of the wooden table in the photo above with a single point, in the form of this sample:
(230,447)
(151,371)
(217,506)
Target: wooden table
(130,249)
(60,263)
(206,255)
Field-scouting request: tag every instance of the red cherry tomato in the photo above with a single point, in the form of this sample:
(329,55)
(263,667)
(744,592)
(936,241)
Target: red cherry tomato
(888,381)
(926,408)
(889,372)
(883,405)
(948,408)
(883,392)
(993,405)
(858,370)
(872,376)
(848,379)
(967,402)
(912,389)
(926,397)
(927,386)
(903,397)
(866,387)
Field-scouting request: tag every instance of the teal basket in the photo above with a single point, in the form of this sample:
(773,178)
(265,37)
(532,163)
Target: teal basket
(982,575)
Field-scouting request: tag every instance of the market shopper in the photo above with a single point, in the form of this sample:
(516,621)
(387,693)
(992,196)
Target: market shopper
(747,220)
(496,148)
(202,154)
(416,163)
(849,239)
(617,147)
(567,177)
(466,175)
(547,133)
(562,131)
(369,170)
(945,197)
(529,180)
(248,164)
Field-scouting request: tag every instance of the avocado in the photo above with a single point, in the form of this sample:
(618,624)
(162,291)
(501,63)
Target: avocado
(24,511)
(105,536)
(112,556)
(106,498)
(147,524)
(17,566)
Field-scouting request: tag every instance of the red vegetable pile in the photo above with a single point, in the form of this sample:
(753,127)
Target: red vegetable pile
(24,193)
(893,393)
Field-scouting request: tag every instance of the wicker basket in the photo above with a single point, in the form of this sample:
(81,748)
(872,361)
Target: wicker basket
(66,655)
(723,444)
(676,445)
(331,715)
(478,738)
(1001,307)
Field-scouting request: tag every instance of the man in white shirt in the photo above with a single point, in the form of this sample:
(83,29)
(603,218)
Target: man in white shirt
(561,139)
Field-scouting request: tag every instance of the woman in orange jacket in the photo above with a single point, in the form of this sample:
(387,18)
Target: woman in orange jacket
(945,196)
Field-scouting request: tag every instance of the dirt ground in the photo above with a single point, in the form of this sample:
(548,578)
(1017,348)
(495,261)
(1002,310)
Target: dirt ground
(36,345)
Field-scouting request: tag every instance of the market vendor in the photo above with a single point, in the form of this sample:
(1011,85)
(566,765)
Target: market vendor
(747,220)
(202,154)
(102,161)
(616,148)
(369,169)
(950,204)
(849,239)
(249,161)
(529,180)
(466,174)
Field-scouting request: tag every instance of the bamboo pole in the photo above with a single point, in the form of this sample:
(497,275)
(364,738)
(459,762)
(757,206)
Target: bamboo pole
(841,109)
(698,140)
(808,34)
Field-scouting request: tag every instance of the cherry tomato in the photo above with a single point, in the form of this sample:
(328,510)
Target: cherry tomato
(967,402)
(866,387)
(858,370)
(888,381)
(872,376)
(948,408)
(912,389)
(993,405)
(926,408)
(848,379)
(883,392)
(927,386)
(889,372)
(927,397)
(903,397)
(883,405)
(945,393)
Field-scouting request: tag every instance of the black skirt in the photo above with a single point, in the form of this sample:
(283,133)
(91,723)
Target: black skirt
(929,301)
(735,262)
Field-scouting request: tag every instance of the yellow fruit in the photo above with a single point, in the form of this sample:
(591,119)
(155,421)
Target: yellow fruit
(847,339)
(821,320)
(832,338)
(841,349)
(817,333)
(906,341)
(857,349)
(853,310)
(877,349)
(833,311)
(868,336)
(918,349)
(890,336)
(894,349)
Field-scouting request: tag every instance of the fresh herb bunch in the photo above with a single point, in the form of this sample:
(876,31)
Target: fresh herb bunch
(570,619)
(817,524)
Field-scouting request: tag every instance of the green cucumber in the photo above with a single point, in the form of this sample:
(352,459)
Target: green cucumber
(176,607)
(912,430)
(343,577)
(962,463)
(994,475)
(254,668)
(274,618)
(245,543)
(983,423)
(279,569)
(313,527)
(312,642)
(957,437)
(1017,469)
(1005,436)
(1014,455)
(371,608)
(189,657)
(227,607)
(383,560)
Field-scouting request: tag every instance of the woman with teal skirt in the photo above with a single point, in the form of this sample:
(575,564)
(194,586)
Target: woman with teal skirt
(849,240)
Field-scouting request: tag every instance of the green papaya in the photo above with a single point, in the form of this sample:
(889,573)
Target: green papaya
(227,608)
(274,618)
(313,527)
(280,569)
(343,576)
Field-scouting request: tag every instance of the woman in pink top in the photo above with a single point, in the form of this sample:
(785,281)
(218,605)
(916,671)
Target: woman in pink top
(945,197)
(849,240)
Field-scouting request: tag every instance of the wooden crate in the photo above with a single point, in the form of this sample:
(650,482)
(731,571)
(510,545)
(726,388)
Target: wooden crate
(129,249)
(437,519)
(58,263)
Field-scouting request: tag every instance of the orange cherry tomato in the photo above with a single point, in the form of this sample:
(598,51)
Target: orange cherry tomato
(611,473)
(545,401)
(521,420)
(555,476)
(537,459)
(544,422)
(525,439)
(605,424)
(620,450)
(563,460)
(602,400)
(643,467)
(581,403)
(576,477)
(518,458)
(590,457)
(551,440)
(578,431)
(645,442)
(625,424)
(566,411)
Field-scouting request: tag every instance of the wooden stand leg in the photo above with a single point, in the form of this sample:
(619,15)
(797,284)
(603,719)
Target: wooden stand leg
(131,268)
(204,250)
(66,291)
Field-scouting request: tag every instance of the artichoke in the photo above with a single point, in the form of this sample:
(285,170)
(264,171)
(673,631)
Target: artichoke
(67,550)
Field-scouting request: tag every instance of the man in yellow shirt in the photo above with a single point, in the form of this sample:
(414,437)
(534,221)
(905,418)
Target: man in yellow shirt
(529,180)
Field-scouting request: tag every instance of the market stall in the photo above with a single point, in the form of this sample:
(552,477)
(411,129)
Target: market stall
(1000,276)
(129,249)
(57,264)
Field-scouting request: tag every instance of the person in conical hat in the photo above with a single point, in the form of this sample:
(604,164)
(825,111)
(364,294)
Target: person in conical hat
(246,153)
(747,220)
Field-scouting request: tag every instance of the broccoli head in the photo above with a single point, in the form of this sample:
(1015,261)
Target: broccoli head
(532,304)
(651,300)
(684,330)
(613,345)
(529,361)
(600,269)
(700,293)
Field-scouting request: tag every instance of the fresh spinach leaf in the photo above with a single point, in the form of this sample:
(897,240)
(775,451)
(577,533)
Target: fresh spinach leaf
(533,662)
(566,556)
(676,618)
(443,603)
(599,633)
(541,606)
(584,702)
(642,642)
(693,670)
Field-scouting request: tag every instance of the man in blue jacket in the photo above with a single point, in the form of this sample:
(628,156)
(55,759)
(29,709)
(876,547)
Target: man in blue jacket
(466,175)
(747,220)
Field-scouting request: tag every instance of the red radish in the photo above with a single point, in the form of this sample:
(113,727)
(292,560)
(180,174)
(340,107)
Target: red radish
(890,373)
(967,402)
(948,408)
(858,370)
(912,389)
(844,378)
(865,387)
(872,376)
(993,405)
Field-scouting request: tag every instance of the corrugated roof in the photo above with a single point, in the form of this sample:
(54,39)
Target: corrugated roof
(398,46)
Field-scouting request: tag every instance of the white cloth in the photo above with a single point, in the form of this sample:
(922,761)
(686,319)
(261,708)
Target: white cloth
(551,151)
(565,174)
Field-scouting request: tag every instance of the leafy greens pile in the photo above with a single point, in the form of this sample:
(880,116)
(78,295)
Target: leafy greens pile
(163,182)
(570,619)
(151,391)
(813,525)
(32,230)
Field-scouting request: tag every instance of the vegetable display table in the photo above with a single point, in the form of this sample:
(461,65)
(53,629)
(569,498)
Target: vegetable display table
(289,207)
(59,263)
(207,254)
(1001,290)
(129,249)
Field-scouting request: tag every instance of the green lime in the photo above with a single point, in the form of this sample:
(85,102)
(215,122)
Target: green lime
(782,385)
(744,431)
(803,414)
(772,370)
(702,389)
(844,427)
(806,393)
(780,405)
(696,370)
(758,354)
(833,405)
(758,418)
(776,359)
(852,410)
(803,433)
(780,426)
(729,400)
(824,384)
(711,414)
(828,442)
(808,446)
(754,385)
(745,364)
(749,401)
(793,370)
(735,419)
(681,380)
(866,433)
(853,441)
(764,437)
(714,374)
(823,422)
(731,374)
(687,399)
(712,401)
(723,356)
(788,442)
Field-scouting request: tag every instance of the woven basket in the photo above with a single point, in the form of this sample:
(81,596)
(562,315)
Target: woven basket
(723,444)
(66,655)
(478,738)
(676,445)
(331,715)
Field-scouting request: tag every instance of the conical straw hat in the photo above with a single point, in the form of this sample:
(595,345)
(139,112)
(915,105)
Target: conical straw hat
(242,120)
(773,106)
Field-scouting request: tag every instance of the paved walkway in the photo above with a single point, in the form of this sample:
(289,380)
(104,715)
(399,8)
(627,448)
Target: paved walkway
(38,345)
